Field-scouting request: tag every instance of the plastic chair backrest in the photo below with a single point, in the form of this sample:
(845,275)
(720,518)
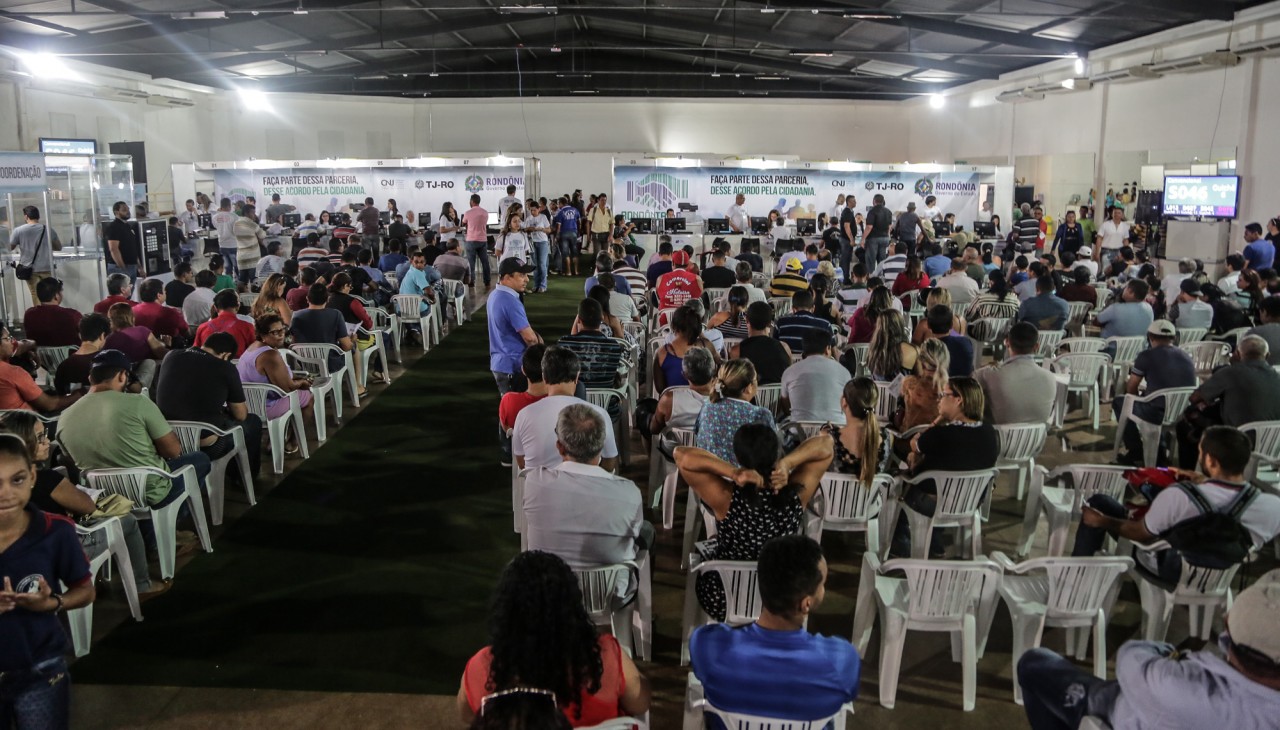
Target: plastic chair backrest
(408,306)
(315,354)
(1078,587)
(1091,479)
(1175,402)
(1077,312)
(1127,348)
(381,319)
(454,288)
(781,306)
(887,403)
(1207,355)
(599,587)
(943,591)
(51,357)
(861,350)
(846,499)
(1190,335)
(990,330)
(247,299)
(1083,344)
(1266,438)
(767,396)
(1085,368)
(604,396)
(188,435)
(960,493)
(1020,441)
(255,396)
(741,589)
(740,721)
(130,483)
(1048,342)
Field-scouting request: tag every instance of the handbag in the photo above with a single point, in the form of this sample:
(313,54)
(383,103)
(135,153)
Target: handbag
(112,505)
(25,272)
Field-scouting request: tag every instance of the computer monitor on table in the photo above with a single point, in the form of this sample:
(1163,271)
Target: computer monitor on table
(984,229)
(291,220)
(424,220)
(673,225)
(642,225)
(385,217)
(717,226)
(942,228)
(759,225)
(806,226)
(205,220)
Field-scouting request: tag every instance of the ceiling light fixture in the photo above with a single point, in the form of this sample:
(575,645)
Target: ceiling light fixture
(527,9)
(768,10)
(715,74)
(771,78)
(200,15)
(812,54)
(555,49)
(937,101)
(47,65)
(871,16)
(433,74)
(1079,66)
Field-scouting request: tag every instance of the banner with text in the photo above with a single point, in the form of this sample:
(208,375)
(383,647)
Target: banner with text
(22,172)
(643,192)
(417,189)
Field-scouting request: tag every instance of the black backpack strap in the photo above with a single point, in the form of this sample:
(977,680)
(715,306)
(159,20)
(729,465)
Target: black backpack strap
(1242,501)
(1196,498)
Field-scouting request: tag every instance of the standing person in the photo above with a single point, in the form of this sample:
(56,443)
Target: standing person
(538,227)
(1113,235)
(600,224)
(249,237)
(123,251)
(1069,237)
(739,220)
(509,329)
(276,209)
(908,228)
(447,225)
(224,222)
(849,235)
(875,239)
(370,219)
(39,554)
(566,224)
(1259,252)
(512,244)
(504,205)
(476,222)
(34,242)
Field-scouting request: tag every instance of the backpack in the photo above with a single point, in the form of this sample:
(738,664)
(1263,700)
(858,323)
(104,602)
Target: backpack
(1213,539)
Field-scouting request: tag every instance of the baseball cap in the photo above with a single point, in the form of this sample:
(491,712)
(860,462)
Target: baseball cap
(793,264)
(512,265)
(111,359)
(1189,286)
(1085,251)
(680,258)
(1162,328)
(1252,618)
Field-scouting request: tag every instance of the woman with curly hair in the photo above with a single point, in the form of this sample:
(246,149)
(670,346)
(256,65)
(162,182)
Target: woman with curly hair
(542,639)
(890,356)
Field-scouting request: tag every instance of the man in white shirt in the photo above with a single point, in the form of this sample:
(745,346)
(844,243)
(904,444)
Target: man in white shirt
(962,286)
(505,203)
(197,308)
(577,510)
(224,222)
(1084,259)
(833,215)
(743,274)
(533,442)
(1018,390)
(1230,284)
(1112,236)
(889,269)
(931,210)
(1172,284)
(189,219)
(811,388)
(739,221)
(1191,310)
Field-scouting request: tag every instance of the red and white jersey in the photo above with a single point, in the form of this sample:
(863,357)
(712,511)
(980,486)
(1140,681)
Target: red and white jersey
(677,287)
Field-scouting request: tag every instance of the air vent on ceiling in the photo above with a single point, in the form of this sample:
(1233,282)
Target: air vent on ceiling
(169,101)
(118,94)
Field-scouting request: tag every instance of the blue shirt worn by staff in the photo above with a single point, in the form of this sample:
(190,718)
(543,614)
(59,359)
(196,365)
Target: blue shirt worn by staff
(506,319)
(567,219)
(789,675)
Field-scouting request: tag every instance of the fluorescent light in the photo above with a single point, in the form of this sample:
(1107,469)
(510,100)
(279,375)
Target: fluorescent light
(582,91)
(812,54)
(255,99)
(715,74)
(433,74)
(676,162)
(871,16)
(1079,66)
(555,49)
(200,15)
(771,78)
(768,10)
(47,65)
(530,9)
(937,101)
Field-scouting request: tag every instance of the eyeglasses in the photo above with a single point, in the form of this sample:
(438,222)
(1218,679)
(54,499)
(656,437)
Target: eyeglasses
(277,331)
(948,394)
(42,438)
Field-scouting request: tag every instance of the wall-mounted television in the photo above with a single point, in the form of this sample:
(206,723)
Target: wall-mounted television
(53,146)
(1205,196)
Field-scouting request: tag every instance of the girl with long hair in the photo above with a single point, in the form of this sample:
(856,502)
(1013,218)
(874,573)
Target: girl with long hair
(761,499)
(863,322)
(271,299)
(890,356)
(447,225)
(513,243)
(861,445)
(911,279)
(823,308)
(541,638)
(920,390)
(686,328)
(732,323)
(998,301)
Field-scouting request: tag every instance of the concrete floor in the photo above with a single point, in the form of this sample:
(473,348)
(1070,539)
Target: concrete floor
(929,689)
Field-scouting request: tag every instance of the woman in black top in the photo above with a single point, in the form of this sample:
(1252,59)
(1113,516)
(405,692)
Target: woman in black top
(769,356)
(957,440)
(822,308)
(862,434)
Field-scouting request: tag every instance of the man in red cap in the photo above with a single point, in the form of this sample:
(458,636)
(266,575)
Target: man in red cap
(678,285)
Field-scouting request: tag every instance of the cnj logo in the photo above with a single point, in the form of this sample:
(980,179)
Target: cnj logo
(393,183)
(872,185)
(474,184)
(924,186)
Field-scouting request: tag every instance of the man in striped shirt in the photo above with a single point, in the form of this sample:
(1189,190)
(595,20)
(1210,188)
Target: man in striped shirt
(893,265)
(792,328)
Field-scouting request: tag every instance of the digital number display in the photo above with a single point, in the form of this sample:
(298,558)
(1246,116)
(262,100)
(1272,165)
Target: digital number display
(1211,196)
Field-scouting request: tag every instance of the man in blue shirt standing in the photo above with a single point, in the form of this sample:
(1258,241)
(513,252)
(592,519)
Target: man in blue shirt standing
(774,667)
(1259,253)
(509,329)
(566,223)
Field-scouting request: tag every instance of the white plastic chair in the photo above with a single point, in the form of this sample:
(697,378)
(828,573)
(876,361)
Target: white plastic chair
(887,403)
(1085,371)
(318,353)
(660,467)
(1077,315)
(741,595)
(1071,593)
(955,596)
(323,388)
(247,299)
(189,433)
(1083,344)
(988,332)
(1188,335)
(960,498)
(366,355)
(1175,402)
(1266,453)
(1061,505)
(132,483)
(387,325)
(51,357)
(456,294)
(767,396)
(602,397)
(1207,356)
(1199,589)
(860,352)
(255,395)
(630,617)
(81,619)
(408,308)
(1048,342)
(1126,351)
(1019,445)
(781,306)
(843,503)
(696,707)
(622,723)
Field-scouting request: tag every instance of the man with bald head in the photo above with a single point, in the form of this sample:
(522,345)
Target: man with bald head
(1245,391)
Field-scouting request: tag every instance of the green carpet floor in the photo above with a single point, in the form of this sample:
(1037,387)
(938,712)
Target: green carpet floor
(370,567)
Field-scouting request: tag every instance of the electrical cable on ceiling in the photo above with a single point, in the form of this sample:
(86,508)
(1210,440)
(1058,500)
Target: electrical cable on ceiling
(1221,95)
(520,93)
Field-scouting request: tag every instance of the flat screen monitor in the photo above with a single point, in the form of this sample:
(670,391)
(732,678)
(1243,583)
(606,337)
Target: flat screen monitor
(984,229)
(759,225)
(356,207)
(642,225)
(424,220)
(385,217)
(942,228)
(673,225)
(51,146)
(806,226)
(291,220)
(717,226)
(205,220)
(1205,196)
